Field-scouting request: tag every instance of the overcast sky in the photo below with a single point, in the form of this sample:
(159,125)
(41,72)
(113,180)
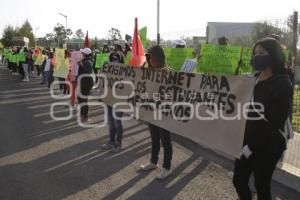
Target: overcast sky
(178,17)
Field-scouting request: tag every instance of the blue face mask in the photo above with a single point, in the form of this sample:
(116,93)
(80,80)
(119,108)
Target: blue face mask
(261,62)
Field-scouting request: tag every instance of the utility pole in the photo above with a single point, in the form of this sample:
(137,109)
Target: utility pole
(158,19)
(295,34)
(66,17)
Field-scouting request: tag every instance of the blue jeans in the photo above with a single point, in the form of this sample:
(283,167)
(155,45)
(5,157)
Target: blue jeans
(115,127)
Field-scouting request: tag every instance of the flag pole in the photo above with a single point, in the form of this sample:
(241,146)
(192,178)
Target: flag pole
(158,18)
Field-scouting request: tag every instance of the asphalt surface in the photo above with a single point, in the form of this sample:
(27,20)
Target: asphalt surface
(44,159)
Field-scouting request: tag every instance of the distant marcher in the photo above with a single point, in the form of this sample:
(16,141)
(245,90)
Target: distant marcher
(25,64)
(223,41)
(86,83)
(264,138)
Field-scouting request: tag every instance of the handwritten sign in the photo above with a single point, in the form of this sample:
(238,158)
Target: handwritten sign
(179,102)
(217,59)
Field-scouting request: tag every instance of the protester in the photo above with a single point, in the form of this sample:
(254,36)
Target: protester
(44,56)
(31,62)
(63,87)
(223,41)
(14,61)
(25,64)
(86,83)
(115,125)
(21,60)
(264,139)
(156,59)
(48,69)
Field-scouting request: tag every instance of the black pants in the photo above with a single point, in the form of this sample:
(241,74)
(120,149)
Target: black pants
(159,134)
(50,78)
(14,67)
(262,165)
(63,86)
(85,88)
(30,67)
(21,70)
(38,69)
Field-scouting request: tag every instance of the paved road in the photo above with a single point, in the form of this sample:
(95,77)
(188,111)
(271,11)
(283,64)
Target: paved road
(43,159)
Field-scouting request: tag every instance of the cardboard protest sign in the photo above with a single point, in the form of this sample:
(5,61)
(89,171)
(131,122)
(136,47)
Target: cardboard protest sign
(61,68)
(203,108)
(189,66)
(75,58)
(217,59)
(175,57)
(101,59)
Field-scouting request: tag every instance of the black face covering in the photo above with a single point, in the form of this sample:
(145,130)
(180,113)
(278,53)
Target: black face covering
(261,62)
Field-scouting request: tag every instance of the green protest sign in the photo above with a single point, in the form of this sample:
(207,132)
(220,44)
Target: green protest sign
(286,54)
(245,66)
(143,35)
(175,57)
(127,58)
(217,59)
(101,59)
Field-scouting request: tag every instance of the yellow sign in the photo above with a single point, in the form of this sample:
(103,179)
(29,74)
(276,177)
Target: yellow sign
(61,68)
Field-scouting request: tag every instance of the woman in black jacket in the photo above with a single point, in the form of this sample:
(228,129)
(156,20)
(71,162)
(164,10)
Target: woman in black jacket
(264,141)
(86,83)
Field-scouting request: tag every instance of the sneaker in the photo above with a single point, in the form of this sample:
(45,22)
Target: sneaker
(107,146)
(164,173)
(148,167)
(84,119)
(116,149)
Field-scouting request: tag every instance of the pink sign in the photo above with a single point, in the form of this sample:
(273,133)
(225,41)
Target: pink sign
(75,58)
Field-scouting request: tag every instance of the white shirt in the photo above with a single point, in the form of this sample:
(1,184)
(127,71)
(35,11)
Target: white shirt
(47,65)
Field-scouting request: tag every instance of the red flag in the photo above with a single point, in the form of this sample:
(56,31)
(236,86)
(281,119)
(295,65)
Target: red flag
(137,54)
(87,41)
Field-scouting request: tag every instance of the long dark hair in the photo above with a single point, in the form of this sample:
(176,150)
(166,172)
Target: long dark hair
(273,47)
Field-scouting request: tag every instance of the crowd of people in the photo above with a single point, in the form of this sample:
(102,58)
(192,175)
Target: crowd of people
(264,140)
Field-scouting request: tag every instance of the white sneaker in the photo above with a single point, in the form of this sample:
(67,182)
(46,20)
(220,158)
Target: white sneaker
(148,167)
(164,173)
(107,146)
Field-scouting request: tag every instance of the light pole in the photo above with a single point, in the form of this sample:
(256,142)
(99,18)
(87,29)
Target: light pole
(37,28)
(66,17)
(158,18)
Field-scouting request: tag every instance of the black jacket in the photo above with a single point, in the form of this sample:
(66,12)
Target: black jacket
(262,135)
(85,66)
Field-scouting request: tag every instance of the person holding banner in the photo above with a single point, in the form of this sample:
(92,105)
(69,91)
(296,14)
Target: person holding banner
(266,131)
(85,67)
(156,59)
(115,125)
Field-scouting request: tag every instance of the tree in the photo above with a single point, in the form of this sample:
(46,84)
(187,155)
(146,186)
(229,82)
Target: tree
(79,33)
(60,32)
(8,34)
(26,31)
(114,34)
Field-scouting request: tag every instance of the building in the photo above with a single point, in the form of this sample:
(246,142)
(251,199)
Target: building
(235,32)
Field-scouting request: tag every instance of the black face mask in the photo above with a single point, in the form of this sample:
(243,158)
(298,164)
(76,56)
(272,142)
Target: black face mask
(261,62)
